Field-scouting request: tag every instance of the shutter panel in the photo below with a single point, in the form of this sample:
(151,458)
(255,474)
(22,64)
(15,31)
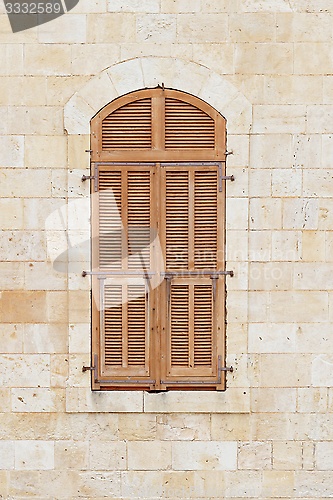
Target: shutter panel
(128,127)
(187,127)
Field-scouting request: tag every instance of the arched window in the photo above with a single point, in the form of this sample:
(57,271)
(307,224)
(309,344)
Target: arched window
(158,206)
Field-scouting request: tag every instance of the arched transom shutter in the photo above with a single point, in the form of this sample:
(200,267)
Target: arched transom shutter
(158,244)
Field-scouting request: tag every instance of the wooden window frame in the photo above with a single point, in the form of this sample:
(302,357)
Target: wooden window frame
(160,158)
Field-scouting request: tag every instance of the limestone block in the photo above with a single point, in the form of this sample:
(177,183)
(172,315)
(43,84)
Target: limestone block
(47,59)
(77,188)
(280,119)
(189,484)
(319,185)
(306,277)
(240,278)
(252,27)
(44,483)
(111,28)
(41,120)
(316,484)
(239,188)
(25,370)
(59,370)
(255,455)
(11,275)
(265,213)
(239,145)
(303,27)
(23,91)
(38,400)
(313,246)
(207,54)
(287,184)
(79,399)
(222,6)
(237,213)
(278,483)
(88,6)
(312,399)
(177,6)
(266,5)
(287,455)
(78,158)
(27,36)
(77,378)
(328,89)
(239,113)
(99,484)
(284,370)
(258,306)
(79,338)
(230,427)
(41,276)
(137,427)
(270,276)
(287,245)
(271,150)
(326,151)
(237,306)
(23,307)
(234,400)
(67,29)
(142,484)
(61,88)
(204,28)
(79,306)
(183,427)
(71,455)
(260,183)
(37,212)
(260,245)
(7,456)
(314,338)
(273,426)
(159,28)
(325,214)
(34,455)
(57,307)
(149,455)
(11,338)
(324,455)
(237,246)
(77,116)
(149,49)
(91,59)
(241,484)
(11,151)
(211,455)
(311,58)
(45,151)
(59,183)
(328,247)
(98,92)
(272,338)
(12,58)
(308,151)
(107,455)
(44,338)
(251,86)
(293,89)
(273,400)
(265,58)
(322,371)
(301,213)
(237,337)
(23,246)
(302,306)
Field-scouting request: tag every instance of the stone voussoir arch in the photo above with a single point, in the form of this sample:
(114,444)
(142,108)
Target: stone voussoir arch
(149,72)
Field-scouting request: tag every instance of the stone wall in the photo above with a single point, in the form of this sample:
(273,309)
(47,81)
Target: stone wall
(267,66)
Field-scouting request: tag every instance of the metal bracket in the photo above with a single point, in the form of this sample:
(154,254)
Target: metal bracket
(88,368)
(228,178)
(227,153)
(87,177)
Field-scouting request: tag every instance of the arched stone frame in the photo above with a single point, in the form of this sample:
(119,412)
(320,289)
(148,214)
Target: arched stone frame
(216,90)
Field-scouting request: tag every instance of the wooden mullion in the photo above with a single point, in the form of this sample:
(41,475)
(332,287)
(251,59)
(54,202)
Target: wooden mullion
(191,221)
(158,120)
(191,325)
(125,325)
(124,219)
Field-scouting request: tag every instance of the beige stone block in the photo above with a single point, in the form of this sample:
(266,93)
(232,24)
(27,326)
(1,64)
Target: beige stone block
(183,427)
(325,214)
(287,455)
(107,455)
(59,370)
(99,484)
(260,245)
(324,455)
(273,400)
(41,120)
(251,86)
(293,89)
(264,58)
(310,59)
(230,427)
(89,6)
(302,306)
(265,213)
(240,484)
(328,89)
(252,27)
(78,158)
(272,338)
(137,427)
(79,338)
(11,213)
(258,306)
(260,183)
(42,276)
(79,399)
(206,28)
(301,213)
(178,6)
(159,28)
(23,245)
(271,426)
(4,120)
(239,280)
(316,484)
(221,6)
(45,151)
(239,146)
(142,484)
(266,5)
(59,183)
(311,400)
(318,184)
(239,113)
(44,338)
(37,212)
(38,400)
(34,455)
(149,455)
(272,150)
(11,275)
(270,276)
(77,116)
(207,54)
(241,186)
(24,482)
(7,455)
(112,28)
(25,370)
(148,49)
(306,277)
(322,371)
(237,337)
(314,338)
(237,213)
(280,119)
(326,150)
(284,370)
(5,396)
(44,483)
(61,88)
(23,91)
(71,455)
(47,59)
(134,6)
(189,484)
(68,29)
(12,58)
(209,455)
(93,426)
(11,152)
(79,306)
(78,190)
(98,92)
(237,306)
(255,455)
(328,247)
(278,483)
(78,378)
(286,183)
(91,59)
(287,245)
(22,307)
(307,150)
(234,400)
(237,246)
(313,246)
(303,27)
(57,307)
